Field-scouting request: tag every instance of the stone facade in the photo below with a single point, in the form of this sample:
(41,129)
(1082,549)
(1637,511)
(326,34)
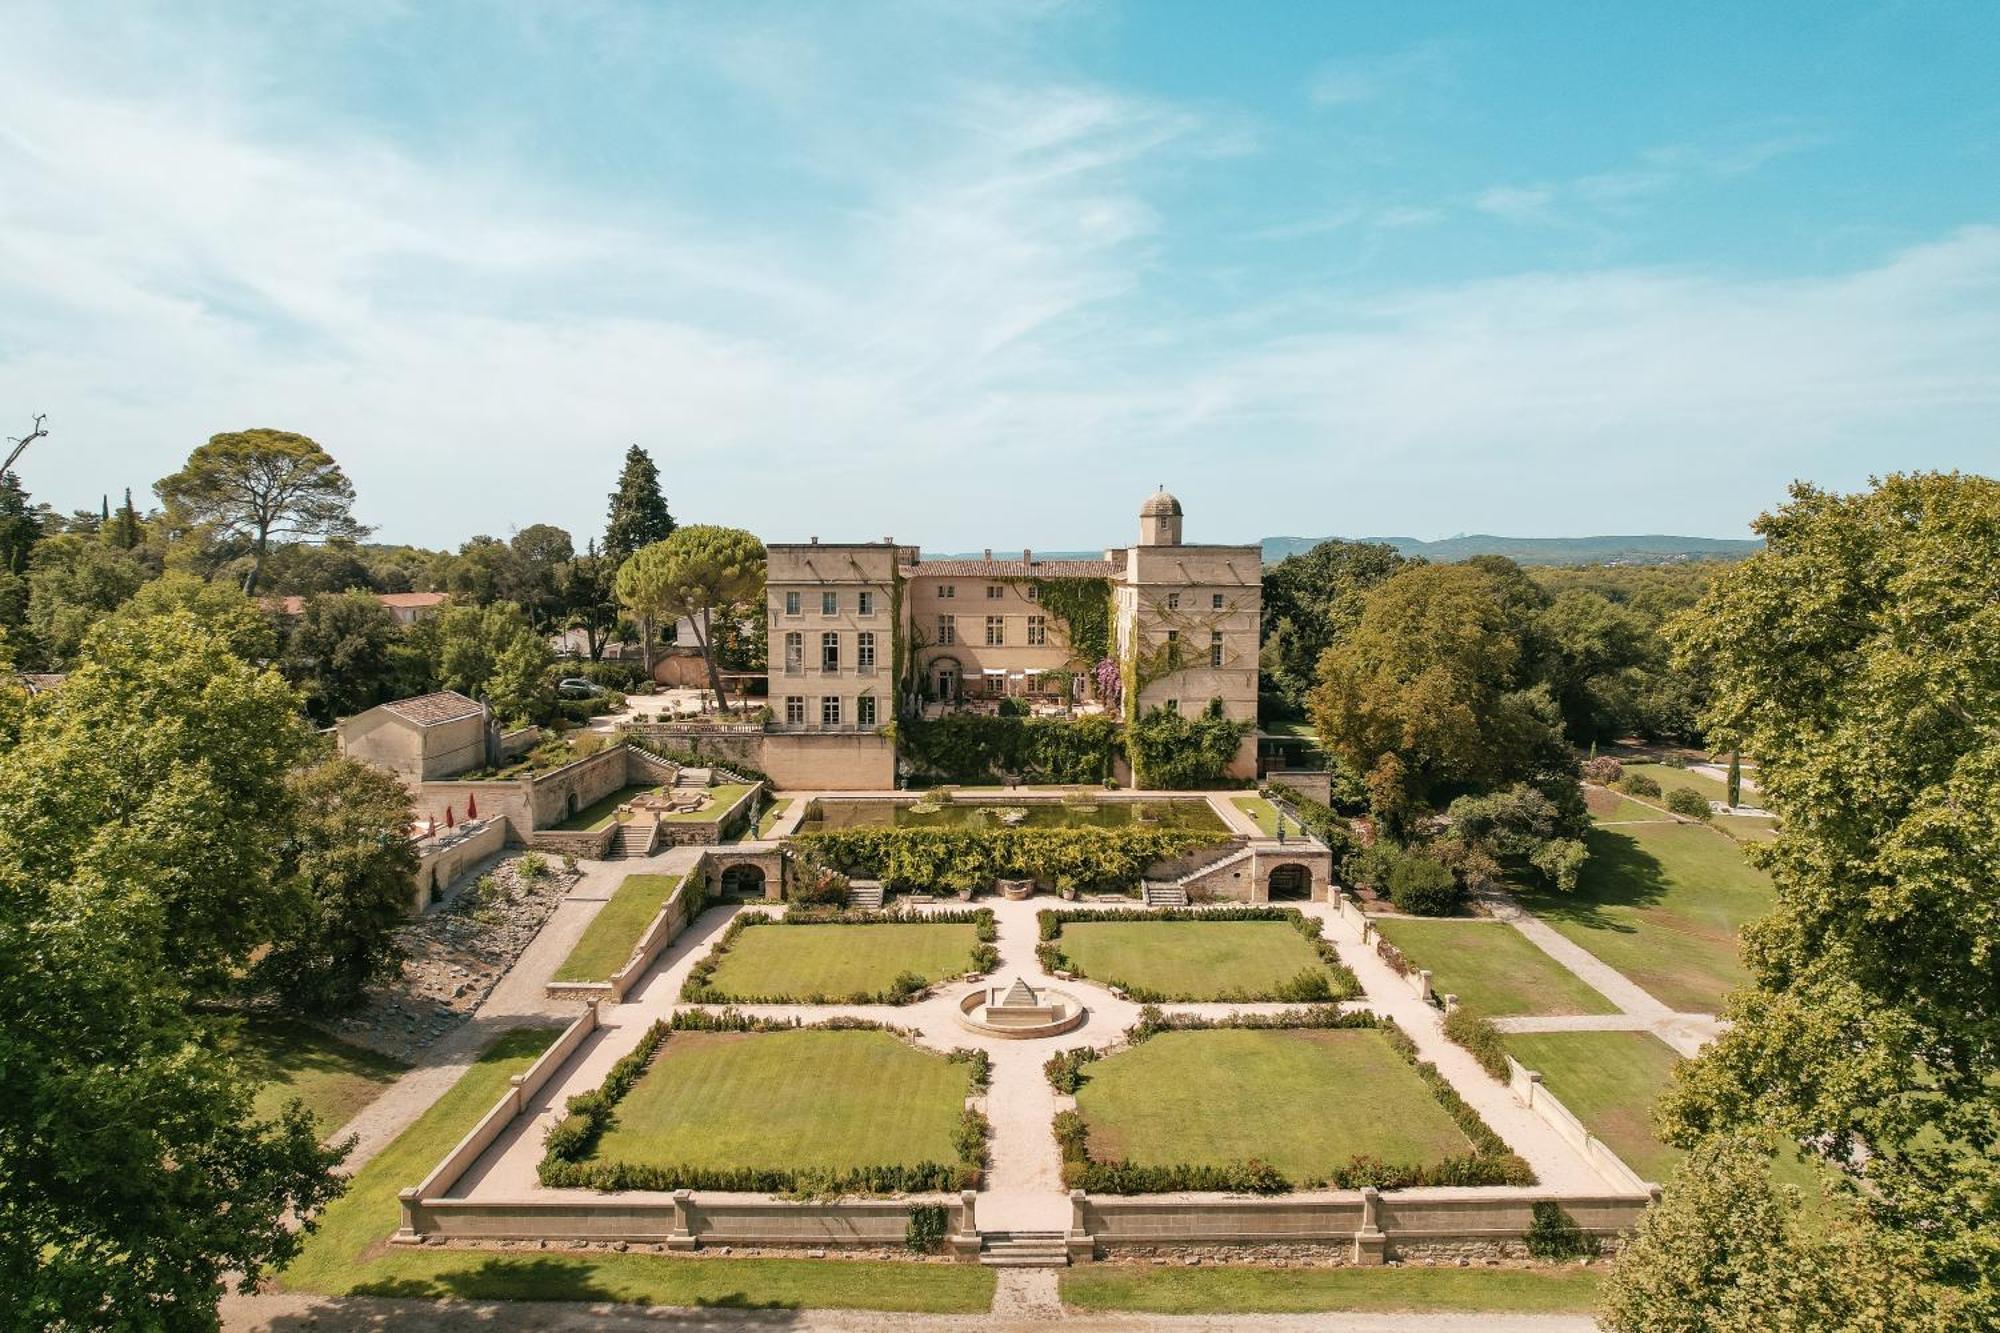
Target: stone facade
(423,739)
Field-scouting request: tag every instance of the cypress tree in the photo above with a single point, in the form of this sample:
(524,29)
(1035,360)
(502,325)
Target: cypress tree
(638,515)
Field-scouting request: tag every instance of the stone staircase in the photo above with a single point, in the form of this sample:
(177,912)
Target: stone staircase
(1161,894)
(632,839)
(865,895)
(694,777)
(1174,892)
(1023,1249)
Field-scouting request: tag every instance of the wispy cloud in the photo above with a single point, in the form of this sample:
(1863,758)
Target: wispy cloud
(1353,81)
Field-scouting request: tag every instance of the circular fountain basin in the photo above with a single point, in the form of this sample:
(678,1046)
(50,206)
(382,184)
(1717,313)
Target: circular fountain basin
(1020,1012)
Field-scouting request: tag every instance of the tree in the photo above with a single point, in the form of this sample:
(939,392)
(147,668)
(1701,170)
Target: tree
(260,484)
(74,582)
(588,598)
(141,813)
(220,608)
(123,532)
(1310,600)
(638,515)
(349,870)
(698,573)
(541,551)
(341,651)
(1735,778)
(1856,657)
(1727,1250)
(20,529)
(1584,639)
(300,571)
(491,653)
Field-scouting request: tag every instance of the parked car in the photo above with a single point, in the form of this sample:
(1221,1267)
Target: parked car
(576,687)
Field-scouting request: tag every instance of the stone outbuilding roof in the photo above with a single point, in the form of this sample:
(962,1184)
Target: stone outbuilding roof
(432,710)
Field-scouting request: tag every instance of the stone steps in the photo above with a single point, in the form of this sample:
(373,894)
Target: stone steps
(1023,1249)
(632,839)
(864,896)
(1165,895)
(693,777)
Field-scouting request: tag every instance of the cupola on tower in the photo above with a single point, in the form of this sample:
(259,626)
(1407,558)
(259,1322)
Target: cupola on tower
(1160,520)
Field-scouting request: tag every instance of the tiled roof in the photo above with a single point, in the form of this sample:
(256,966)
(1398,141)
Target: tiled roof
(411,601)
(1019,569)
(430,710)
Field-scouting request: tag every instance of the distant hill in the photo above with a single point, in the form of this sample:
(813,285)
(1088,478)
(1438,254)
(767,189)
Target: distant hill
(1650,549)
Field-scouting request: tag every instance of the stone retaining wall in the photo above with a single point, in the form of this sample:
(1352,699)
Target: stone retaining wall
(680,1221)
(661,931)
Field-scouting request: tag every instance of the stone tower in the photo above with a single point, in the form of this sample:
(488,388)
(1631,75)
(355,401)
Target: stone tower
(1160,520)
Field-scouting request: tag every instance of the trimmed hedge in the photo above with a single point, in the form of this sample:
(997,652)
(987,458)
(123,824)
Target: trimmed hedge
(1476,1033)
(573,1138)
(1491,1161)
(966,861)
(906,988)
(1064,1069)
(975,748)
(1336,982)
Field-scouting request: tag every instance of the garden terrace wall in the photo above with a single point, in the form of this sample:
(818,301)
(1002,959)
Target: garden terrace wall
(589,844)
(590,779)
(1361,1226)
(1526,1085)
(705,832)
(681,1220)
(682,905)
(441,861)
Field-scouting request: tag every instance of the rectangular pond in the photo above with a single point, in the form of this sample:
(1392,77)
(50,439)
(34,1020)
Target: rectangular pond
(1192,814)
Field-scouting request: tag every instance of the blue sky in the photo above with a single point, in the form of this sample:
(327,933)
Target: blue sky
(985,274)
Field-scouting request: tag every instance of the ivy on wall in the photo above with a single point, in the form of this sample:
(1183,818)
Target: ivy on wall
(1083,605)
(972,747)
(1173,752)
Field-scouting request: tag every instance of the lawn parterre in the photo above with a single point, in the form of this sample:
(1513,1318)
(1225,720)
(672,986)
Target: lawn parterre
(1260,810)
(1611,1081)
(345,1255)
(288,1059)
(1224,954)
(607,943)
(1663,904)
(773,1108)
(1272,1103)
(1491,967)
(1610,807)
(604,810)
(813,957)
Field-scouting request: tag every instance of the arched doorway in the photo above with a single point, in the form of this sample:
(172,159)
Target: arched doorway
(1290,881)
(945,679)
(743,880)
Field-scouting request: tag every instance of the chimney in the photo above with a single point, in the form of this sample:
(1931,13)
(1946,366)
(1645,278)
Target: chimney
(989,555)
(1027,556)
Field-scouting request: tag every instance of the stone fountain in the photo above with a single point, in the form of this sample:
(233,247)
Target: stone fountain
(1020,1011)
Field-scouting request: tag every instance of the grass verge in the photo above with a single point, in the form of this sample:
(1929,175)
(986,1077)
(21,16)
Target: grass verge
(1246,1290)
(1492,967)
(288,1059)
(614,932)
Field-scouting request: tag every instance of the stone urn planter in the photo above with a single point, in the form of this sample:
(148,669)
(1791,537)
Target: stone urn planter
(1014,890)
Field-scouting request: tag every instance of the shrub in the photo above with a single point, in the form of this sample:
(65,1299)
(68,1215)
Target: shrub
(1554,1235)
(1064,1069)
(1674,760)
(1688,803)
(1423,887)
(1476,1033)
(1173,751)
(816,885)
(1638,784)
(1603,770)
(926,1232)
(978,1062)
(906,987)
(532,866)
(985,958)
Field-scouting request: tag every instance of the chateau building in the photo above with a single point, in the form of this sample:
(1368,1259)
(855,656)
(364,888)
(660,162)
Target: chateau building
(861,633)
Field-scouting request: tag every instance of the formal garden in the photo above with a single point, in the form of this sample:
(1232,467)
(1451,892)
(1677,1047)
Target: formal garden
(1491,967)
(826,957)
(1222,954)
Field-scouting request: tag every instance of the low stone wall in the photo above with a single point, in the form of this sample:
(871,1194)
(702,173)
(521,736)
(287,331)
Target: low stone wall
(590,844)
(514,744)
(681,1221)
(442,861)
(1360,1226)
(589,779)
(661,931)
(704,833)
(1526,1085)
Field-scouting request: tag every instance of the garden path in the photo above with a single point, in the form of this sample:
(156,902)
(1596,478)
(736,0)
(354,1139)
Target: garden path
(518,1000)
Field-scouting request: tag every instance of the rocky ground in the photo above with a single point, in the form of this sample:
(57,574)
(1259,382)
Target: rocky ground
(456,953)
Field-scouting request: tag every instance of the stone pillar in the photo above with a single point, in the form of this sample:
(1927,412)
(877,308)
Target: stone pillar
(1082,1249)
(406,1230)
(1370,1244)
(965,1240)
(1423,984)
(682,1236)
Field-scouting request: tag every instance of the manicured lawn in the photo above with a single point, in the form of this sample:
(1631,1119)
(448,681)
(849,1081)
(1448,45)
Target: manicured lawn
(721,797)
(1213,1289)
(601,812)
(797,963)
(614,932)
(1492,967)
(347,1255)
(1611,1080)
(1607,806)
(1708,788)
(797,1099)
(1191,960)
(1303,1100)
(1662,903)
(334,1079)
(772,813)
(1747,828)
(1260,810)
